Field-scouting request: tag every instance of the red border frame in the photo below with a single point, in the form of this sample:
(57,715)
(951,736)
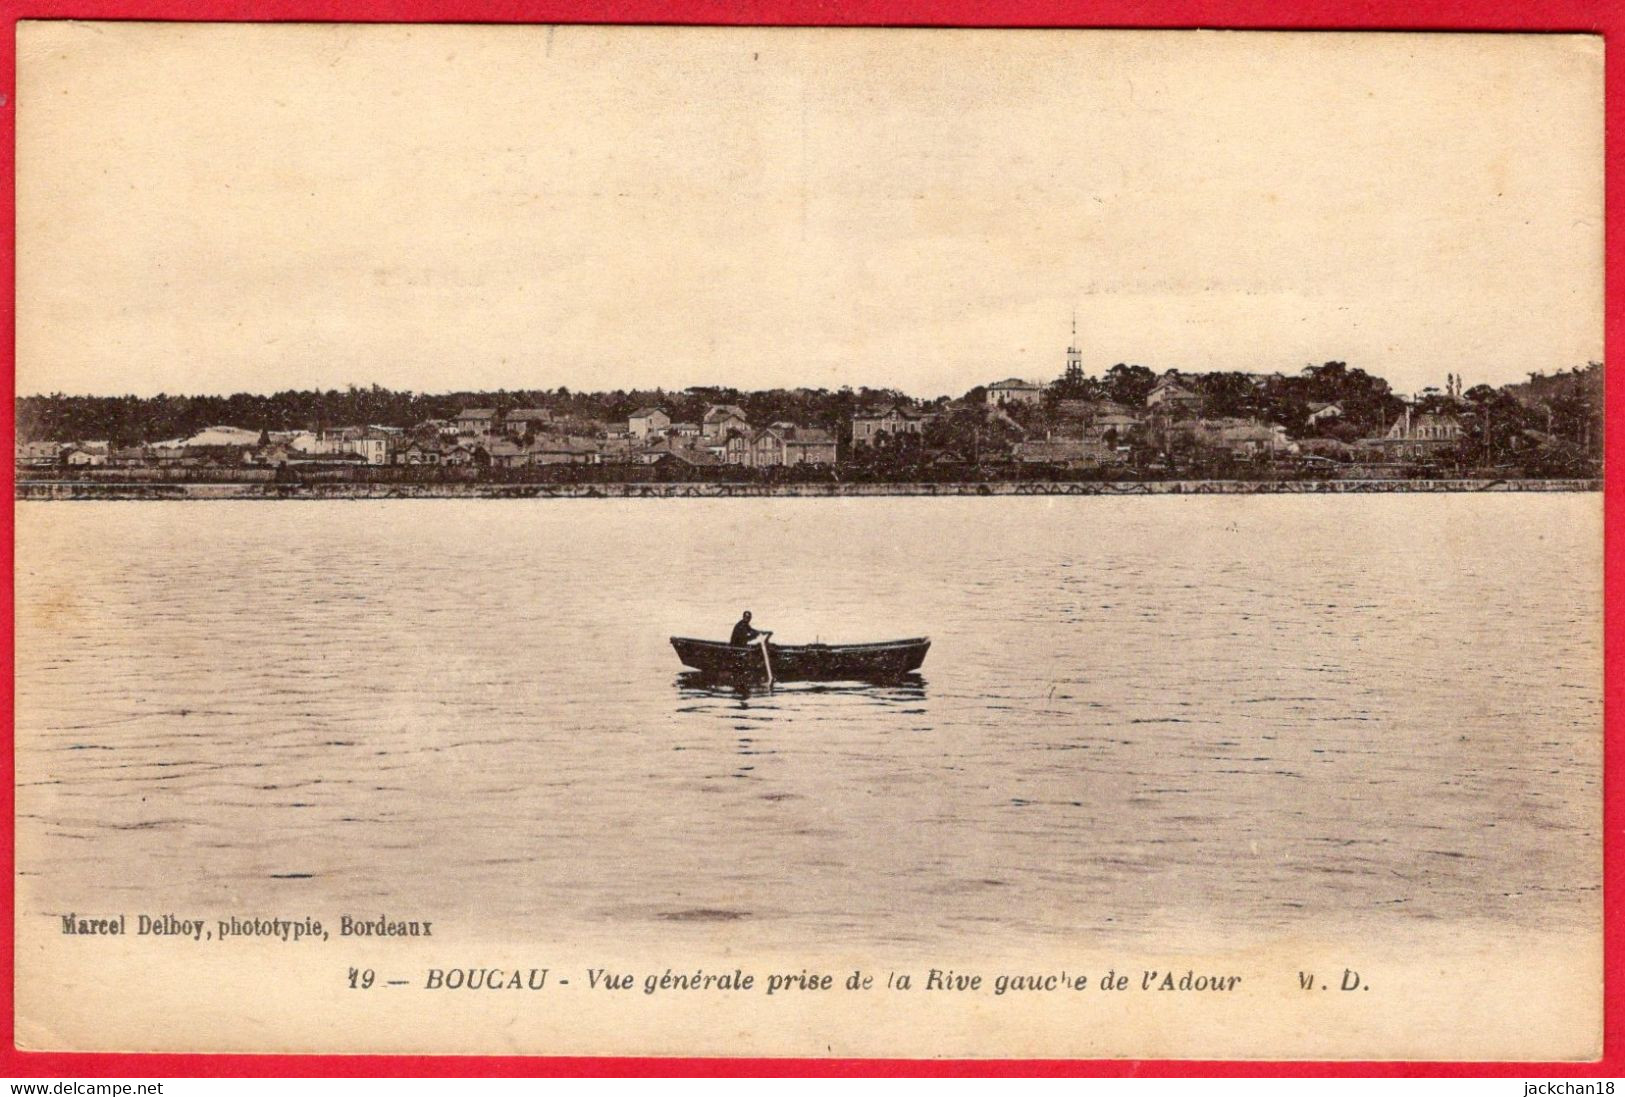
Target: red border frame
(1588,16)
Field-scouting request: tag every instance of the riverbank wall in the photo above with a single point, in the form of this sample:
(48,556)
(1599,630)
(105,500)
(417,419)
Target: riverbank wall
(104,490)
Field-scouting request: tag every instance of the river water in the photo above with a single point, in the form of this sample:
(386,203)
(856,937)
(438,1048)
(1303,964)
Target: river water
(1255,715)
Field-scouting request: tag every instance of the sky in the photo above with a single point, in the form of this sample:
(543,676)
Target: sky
(219,208)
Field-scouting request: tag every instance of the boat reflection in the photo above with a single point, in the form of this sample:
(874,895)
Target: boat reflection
(768,726)
(697,683)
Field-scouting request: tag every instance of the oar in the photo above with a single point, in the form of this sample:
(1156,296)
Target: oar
(767,662)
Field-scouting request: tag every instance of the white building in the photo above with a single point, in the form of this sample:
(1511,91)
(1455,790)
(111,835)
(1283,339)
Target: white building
(1320,412)
(1014,390)
(217,436)
(646,421)
(374,447)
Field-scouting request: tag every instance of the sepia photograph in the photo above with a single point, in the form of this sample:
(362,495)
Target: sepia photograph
(835,543)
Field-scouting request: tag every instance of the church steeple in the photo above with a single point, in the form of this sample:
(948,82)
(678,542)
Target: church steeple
(1074,356)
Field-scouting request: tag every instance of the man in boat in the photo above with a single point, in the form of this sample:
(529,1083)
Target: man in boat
(744,634)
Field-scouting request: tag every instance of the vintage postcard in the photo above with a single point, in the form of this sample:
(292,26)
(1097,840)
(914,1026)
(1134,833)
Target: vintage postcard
(590,540)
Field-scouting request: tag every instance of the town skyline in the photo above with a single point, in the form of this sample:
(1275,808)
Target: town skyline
(229,208)
(1328,420)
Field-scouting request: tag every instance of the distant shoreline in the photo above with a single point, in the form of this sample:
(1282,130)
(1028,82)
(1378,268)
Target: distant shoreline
(86,490)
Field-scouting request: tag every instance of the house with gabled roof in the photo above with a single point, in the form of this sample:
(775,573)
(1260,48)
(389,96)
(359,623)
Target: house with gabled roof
(523,421)
(1237,436)
(1171,394)
(1072,453)
(418,452)
(684,462)
(508,455)
(894,419)
(720,419)
(1251,438)
(1419,435)
(550,450)
(788,444)
(477,421)
(1321,411)
(646,421)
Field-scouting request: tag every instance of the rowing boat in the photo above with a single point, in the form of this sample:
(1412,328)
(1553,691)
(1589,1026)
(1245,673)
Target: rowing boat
(803,662)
